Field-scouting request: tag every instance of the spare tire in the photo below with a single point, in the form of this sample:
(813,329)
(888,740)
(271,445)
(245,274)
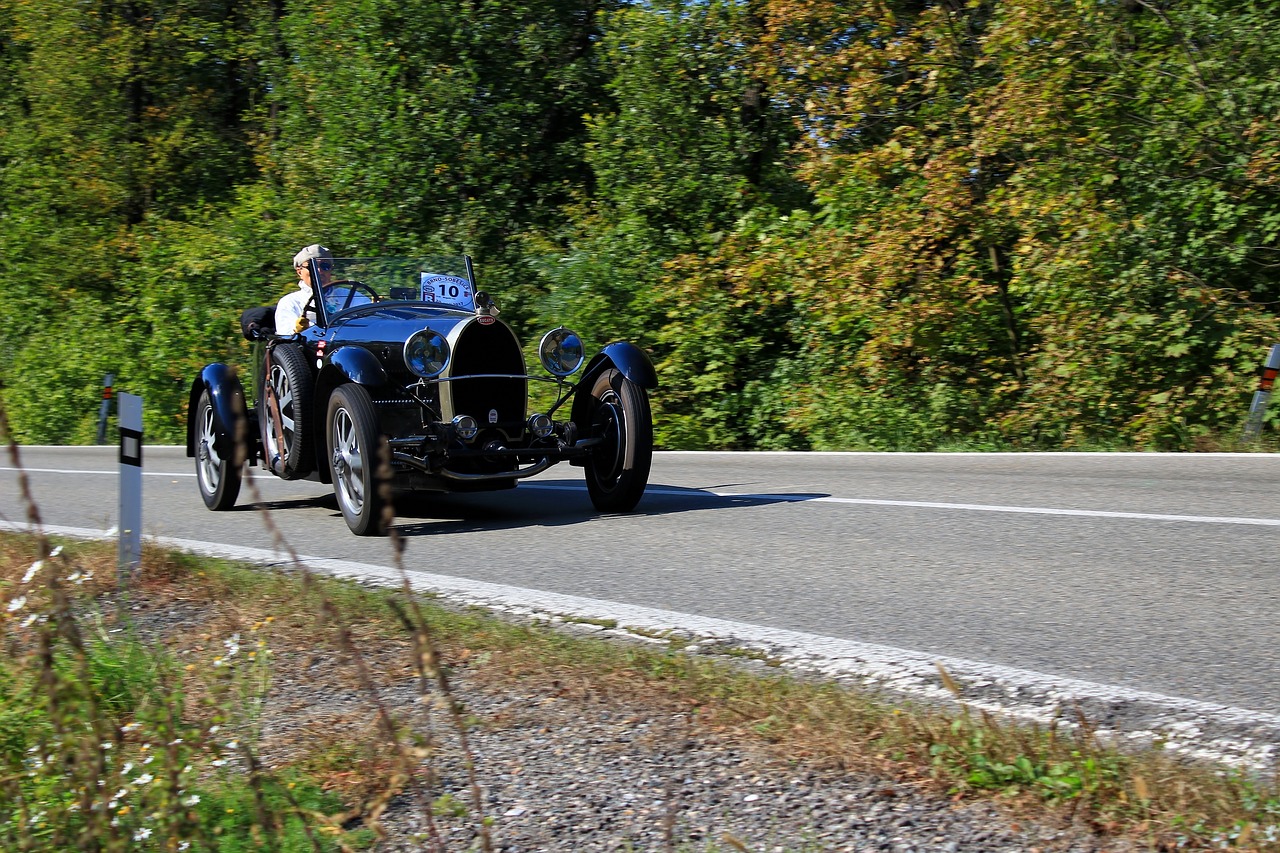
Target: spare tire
(285,412)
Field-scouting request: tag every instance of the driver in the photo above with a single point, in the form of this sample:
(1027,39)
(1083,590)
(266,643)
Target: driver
(289,316)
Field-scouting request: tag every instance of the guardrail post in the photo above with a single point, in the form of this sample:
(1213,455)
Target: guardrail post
(1258,409)
(105,408)
(130,548)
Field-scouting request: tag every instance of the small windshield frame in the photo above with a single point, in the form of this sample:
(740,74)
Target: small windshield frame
(442,281)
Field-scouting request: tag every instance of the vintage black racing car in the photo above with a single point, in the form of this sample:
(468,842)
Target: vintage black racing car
(407,378)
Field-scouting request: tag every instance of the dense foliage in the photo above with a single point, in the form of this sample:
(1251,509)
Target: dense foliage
(884,224)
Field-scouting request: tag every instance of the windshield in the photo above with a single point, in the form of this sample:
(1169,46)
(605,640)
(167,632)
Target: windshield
(443,280)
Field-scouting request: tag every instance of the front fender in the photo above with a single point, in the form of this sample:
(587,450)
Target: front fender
(226,394)
(631,361)
(628,359)
(348,364)
(359,365)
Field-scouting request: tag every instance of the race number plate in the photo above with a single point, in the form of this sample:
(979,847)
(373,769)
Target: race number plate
(448,289)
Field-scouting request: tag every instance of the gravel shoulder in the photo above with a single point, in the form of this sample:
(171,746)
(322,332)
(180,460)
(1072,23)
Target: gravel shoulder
(577,766)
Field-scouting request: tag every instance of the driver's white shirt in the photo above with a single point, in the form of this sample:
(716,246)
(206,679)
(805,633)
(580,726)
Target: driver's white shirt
(289,309)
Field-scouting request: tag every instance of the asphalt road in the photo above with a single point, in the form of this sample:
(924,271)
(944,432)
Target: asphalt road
(1150,572)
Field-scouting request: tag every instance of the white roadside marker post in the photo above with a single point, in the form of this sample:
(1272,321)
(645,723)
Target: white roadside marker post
(1258,409)
(129,408)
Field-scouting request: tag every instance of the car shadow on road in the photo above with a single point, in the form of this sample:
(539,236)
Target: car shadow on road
(554,503)
(324,501)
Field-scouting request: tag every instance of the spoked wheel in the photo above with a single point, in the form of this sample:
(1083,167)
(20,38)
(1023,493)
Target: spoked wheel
(286,410)
(353,459)
(218,478)
(618,470)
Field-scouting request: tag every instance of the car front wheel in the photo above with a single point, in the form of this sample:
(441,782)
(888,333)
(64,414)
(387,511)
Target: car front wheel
(218,478)
(618,469)
(352,428)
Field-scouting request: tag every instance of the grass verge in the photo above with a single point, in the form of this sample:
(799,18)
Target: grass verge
(127,725)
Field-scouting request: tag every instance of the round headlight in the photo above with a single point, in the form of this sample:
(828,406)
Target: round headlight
(561,352)
(426,353)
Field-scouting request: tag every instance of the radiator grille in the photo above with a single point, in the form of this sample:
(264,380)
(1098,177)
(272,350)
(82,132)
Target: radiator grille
(488,349)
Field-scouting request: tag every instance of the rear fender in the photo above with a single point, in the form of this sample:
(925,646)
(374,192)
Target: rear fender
(628,359)
(226,394)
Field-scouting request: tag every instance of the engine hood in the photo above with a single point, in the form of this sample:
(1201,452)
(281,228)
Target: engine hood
(379,326)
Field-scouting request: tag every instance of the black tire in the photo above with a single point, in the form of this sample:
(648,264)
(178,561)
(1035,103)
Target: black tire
(354,447)
(289,446)
(218,478)
(618,470)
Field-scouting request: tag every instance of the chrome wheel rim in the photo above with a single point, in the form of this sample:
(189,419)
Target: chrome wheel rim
(348,462)
(208,463)
(283,392)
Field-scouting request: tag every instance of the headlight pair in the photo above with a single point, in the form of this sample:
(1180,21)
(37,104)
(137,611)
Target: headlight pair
(427,353)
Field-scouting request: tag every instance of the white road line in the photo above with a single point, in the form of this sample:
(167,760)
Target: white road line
(1208,730)
(794,498)
(112,473)
(1032,510)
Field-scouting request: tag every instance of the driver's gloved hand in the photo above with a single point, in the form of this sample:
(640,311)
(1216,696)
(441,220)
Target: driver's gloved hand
(302,323)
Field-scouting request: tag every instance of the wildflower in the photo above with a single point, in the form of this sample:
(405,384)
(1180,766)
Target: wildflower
(219,762)
(144,779)
(129,727)
(191,800)
(232,644)
(142,834)
(186,845)
(56,551)
(233,744)
(17,604)
(128,765)
(31,572)
(32,619)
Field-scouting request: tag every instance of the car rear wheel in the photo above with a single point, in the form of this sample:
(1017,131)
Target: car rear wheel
(618,469)
(354,442)
(286,413)
(218,478)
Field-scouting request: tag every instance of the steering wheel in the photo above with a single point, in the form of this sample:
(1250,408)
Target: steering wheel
(353,287)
